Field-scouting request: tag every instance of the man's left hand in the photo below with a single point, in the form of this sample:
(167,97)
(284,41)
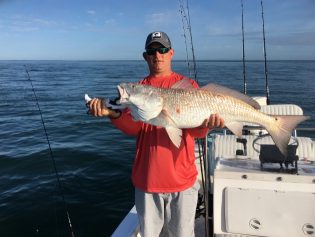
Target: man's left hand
(214,121)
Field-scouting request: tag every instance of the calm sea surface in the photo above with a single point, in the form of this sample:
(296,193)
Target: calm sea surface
(93,159)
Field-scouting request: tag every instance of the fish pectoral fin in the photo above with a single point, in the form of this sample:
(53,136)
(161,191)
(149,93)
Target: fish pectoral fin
(164,114)
(235,127)
(149,110)
(175,134)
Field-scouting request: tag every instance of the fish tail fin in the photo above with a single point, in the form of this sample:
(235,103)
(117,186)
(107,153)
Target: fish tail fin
(281,130)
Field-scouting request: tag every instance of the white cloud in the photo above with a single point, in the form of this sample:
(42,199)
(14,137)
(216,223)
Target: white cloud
(91,12)
(298,38)
(23,23)
(162,19)
(24,29)
(111,21)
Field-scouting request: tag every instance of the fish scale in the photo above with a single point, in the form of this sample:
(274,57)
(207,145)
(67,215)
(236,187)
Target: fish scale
(192,112)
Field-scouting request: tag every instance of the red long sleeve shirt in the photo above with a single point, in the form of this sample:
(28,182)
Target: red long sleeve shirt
(160,166)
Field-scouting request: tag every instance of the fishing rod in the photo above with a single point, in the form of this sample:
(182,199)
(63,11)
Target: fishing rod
(265,57)
(244,72)
(191,42)
(185,38)
(203,155)
(51,153)
(187,26)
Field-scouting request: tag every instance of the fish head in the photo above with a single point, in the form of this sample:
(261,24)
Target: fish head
(133,93)
(123,95)
(144,101)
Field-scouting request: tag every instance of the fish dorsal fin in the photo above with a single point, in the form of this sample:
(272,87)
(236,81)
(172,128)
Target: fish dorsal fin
(185,83)
(175,134)
(222,90)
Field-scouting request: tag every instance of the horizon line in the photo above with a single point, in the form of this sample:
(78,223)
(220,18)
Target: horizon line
(174,60)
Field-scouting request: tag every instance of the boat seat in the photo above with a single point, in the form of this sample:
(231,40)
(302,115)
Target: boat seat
(278,109)
(282,109)
(227,145)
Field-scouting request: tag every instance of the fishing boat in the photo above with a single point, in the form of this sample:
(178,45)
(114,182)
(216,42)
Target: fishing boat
(248,188)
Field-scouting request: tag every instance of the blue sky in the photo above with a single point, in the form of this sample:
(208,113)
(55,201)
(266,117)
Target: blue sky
(116,29)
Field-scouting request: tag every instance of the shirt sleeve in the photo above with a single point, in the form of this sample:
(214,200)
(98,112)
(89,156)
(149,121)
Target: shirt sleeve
(198,132)
(126,124)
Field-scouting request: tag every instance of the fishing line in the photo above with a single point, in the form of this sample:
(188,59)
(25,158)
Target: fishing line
(51,153)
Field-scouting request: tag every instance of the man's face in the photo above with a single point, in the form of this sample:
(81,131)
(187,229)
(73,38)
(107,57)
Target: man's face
(158,58)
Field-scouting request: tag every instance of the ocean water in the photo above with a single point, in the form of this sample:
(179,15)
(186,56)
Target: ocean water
(94,160)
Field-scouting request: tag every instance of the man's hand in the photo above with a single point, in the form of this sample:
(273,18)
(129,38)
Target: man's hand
(214,121)
(98,109)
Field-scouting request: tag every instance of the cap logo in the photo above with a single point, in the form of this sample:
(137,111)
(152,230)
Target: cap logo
(156,35)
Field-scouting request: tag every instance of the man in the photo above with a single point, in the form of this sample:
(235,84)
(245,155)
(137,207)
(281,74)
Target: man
(164,176)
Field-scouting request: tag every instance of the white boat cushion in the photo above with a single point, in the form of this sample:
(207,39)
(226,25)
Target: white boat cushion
(282,109)
(226,146)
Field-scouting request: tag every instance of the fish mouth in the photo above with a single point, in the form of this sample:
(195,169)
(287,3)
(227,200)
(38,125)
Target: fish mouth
(123,95)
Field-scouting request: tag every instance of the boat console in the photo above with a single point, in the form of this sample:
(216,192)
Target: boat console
(256,190)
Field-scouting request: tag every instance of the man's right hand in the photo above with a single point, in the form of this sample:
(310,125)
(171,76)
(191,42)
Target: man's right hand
(98,109)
